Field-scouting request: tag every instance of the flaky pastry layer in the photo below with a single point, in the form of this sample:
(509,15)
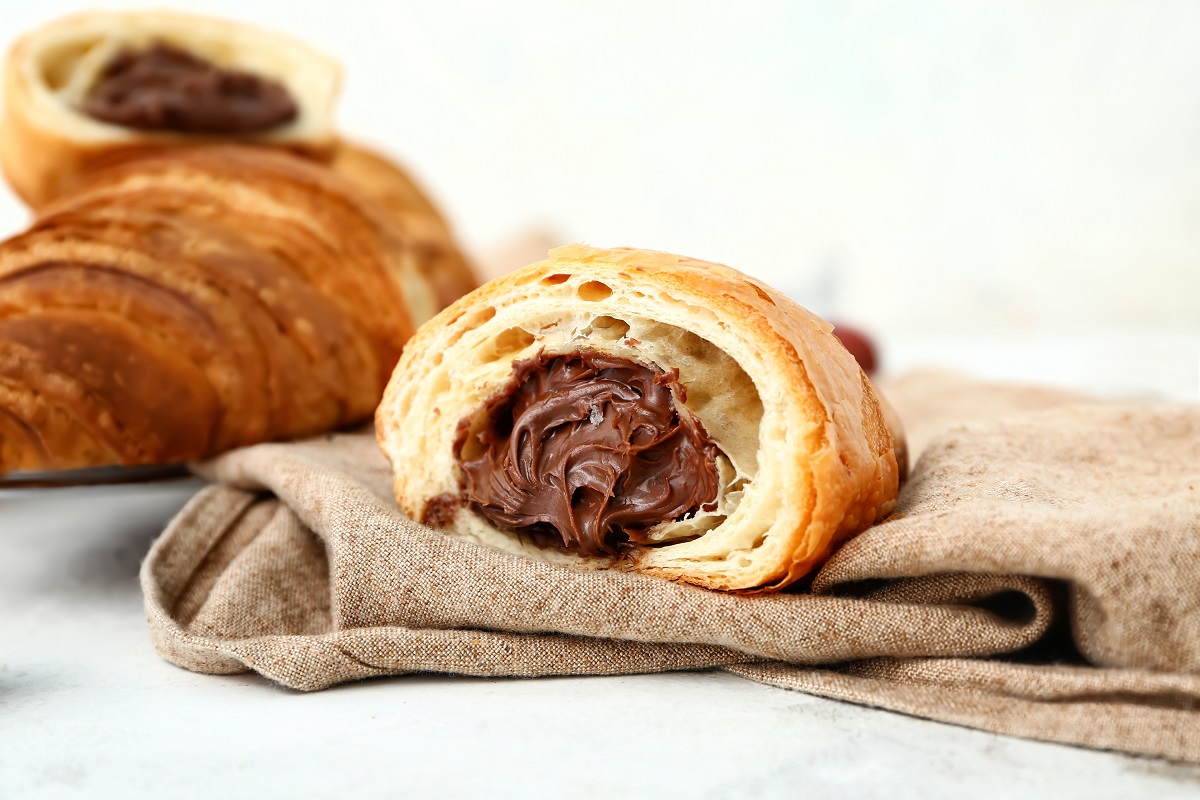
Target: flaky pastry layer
(440,259)
(188,301)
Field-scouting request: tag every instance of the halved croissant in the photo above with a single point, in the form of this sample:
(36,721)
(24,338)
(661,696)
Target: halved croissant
(48,137)
(184,302)
(642,411)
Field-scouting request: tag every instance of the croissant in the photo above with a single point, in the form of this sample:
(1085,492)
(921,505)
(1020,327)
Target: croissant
(184,302)
(641,411)
(84,86)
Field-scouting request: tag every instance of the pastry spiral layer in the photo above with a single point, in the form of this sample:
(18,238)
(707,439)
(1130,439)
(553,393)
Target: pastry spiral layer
(188,301)
(426,230)
(801,452)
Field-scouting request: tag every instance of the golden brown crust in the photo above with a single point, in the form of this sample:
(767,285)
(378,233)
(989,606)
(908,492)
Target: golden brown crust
(187,301)
(824,466)
(45,141)
(444,264)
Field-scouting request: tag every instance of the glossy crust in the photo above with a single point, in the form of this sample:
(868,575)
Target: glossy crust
(180,303)
(812,460)
(45,141)
(442,262)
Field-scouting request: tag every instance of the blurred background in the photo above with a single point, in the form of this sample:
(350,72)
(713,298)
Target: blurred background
(1008,187)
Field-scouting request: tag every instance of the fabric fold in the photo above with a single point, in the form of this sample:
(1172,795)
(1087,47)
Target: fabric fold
(1041,578)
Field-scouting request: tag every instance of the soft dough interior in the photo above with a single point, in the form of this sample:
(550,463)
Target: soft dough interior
(719,393)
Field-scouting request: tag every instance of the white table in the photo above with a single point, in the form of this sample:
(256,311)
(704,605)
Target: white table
(87,709)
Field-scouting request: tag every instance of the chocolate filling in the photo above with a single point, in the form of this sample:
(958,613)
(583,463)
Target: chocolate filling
(164,88)
(589,449)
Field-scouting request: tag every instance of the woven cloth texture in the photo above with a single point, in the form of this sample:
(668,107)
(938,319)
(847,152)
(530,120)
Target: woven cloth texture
(1040,578)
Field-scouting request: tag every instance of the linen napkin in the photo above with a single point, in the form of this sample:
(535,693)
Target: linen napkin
(1041,578)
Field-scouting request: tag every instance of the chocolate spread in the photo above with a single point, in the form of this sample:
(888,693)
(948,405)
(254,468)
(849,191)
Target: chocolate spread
(589,448)
(164,88)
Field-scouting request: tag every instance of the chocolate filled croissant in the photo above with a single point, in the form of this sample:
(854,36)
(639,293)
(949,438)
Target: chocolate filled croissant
(640,411)
(185,302)
(84,86)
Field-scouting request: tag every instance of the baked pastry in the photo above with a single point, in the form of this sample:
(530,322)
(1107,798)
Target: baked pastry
(426,230)
(183,302)
(85,85)
(642,411)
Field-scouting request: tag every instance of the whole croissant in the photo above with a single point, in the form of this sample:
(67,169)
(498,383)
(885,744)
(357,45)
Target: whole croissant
(183,302)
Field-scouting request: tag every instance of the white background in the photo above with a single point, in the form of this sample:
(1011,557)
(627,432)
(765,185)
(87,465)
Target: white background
(912,167)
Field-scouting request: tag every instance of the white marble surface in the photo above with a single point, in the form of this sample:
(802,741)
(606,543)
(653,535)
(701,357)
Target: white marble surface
(88,710)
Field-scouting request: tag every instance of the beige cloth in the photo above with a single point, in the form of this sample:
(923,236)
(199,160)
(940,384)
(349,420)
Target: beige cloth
(1040,578)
